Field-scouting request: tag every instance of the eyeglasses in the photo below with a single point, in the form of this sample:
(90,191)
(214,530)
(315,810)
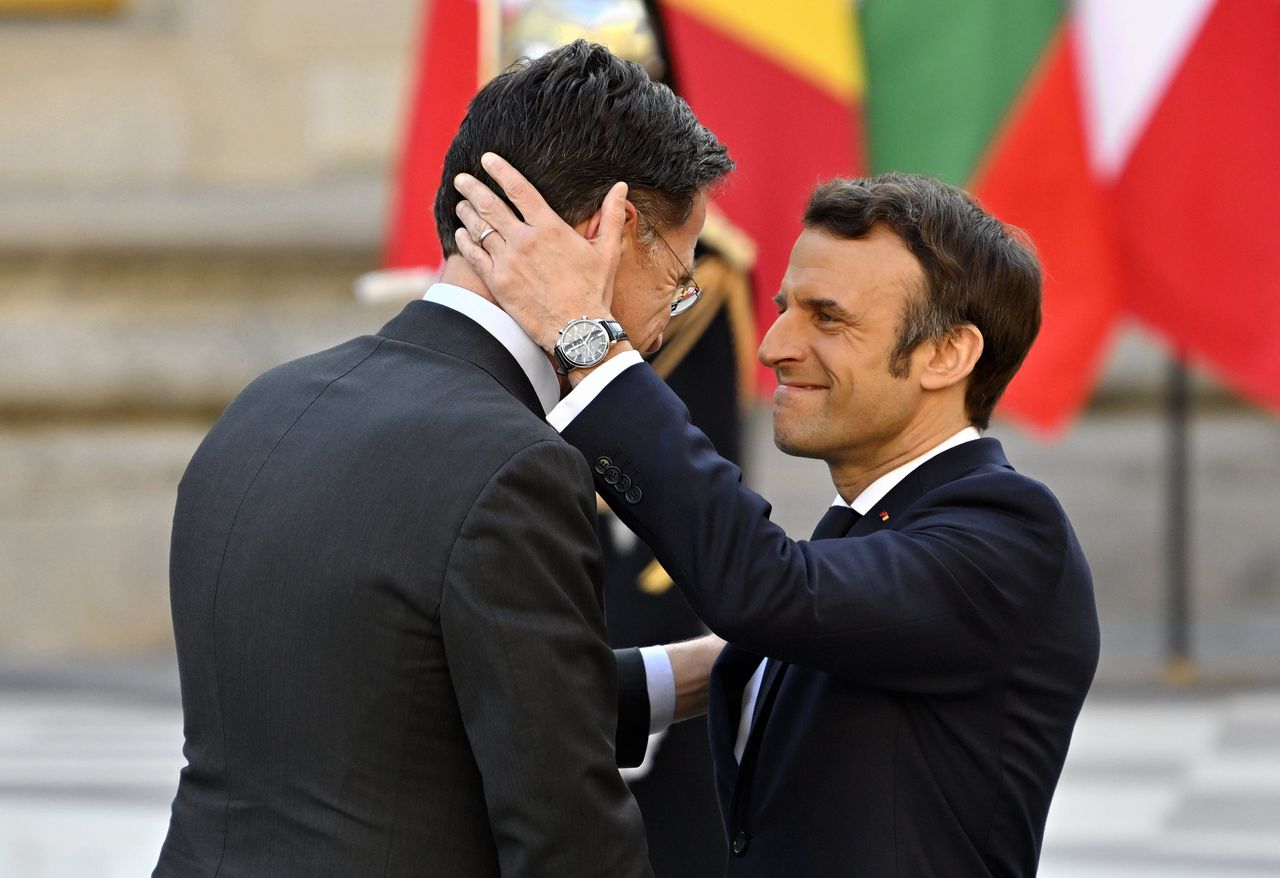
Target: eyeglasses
(688,292)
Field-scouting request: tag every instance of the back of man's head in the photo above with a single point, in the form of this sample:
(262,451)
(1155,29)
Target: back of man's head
(574,122)
(977,270)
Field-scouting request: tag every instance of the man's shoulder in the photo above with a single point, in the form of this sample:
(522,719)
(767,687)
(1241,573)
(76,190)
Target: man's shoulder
(975,481)
(444,412)
(455,402)
(315,369)
(991,487)
(980,468)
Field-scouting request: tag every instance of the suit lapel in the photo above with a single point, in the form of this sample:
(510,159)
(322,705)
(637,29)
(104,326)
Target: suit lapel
(434,326)
(930,475)
(729,678)
(770,685)
(777,669)
(886,514)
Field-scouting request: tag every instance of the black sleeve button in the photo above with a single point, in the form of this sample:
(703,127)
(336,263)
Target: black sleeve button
(611,475)
(633,494)
(624,484)
(602,464)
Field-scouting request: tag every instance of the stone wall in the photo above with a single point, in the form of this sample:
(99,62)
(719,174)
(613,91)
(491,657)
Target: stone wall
(116,364)
(189,188)
(197,122)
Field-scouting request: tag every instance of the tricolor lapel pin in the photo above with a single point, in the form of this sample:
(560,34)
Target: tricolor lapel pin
(884,516)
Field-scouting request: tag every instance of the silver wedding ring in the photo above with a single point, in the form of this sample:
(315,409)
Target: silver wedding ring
(486,233)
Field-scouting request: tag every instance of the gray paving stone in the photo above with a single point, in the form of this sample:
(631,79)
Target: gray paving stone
(1240,813)
(1260,735)
(1154,786)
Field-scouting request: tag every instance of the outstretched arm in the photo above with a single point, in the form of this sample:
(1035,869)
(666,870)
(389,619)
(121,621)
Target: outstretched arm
(665,685)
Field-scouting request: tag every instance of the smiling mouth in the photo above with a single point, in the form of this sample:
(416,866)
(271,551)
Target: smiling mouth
(795,390)
(799,385)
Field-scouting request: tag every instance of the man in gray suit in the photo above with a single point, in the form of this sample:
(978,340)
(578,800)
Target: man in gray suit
(385,577)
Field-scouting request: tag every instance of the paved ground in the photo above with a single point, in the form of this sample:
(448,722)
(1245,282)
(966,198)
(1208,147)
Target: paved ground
(1160,784)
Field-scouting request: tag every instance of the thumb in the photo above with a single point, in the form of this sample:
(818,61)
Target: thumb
(613,213)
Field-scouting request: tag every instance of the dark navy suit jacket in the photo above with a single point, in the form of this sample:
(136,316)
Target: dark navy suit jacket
(386,600)
(934,661)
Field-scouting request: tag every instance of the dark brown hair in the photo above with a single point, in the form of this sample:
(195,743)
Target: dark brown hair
(575,121)
(977,270)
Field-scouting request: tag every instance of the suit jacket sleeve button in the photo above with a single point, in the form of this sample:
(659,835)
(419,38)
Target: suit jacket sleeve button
(624,484)
(633,494)
(740,841)
(602,464)
(611,475)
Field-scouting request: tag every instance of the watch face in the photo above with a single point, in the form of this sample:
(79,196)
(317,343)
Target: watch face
(584,342)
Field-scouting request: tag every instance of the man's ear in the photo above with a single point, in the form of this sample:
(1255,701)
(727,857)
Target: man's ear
(951,359)
(590,227)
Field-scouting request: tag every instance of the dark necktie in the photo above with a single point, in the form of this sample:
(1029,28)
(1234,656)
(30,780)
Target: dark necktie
(838,521)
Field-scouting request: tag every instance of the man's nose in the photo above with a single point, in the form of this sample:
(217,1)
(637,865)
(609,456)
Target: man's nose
(779,344)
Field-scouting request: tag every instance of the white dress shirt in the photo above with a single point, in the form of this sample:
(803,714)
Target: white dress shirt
(589,388)
(662,688)
(499,324)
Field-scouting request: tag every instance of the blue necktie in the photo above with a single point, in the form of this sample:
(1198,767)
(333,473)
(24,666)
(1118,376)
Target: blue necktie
(838,521)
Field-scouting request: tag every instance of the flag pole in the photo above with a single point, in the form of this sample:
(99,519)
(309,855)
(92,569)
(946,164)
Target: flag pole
(490,34)
(1179,669)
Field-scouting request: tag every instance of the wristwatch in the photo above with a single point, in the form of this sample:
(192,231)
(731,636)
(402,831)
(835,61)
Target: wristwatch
(585,342)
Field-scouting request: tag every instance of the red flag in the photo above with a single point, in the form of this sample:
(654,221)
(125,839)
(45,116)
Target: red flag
(447,78)
(1196,197)
(780,85)
(1037,177)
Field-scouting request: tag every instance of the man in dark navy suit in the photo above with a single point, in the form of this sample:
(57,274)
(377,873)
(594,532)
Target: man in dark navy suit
(900,691)
(385,575)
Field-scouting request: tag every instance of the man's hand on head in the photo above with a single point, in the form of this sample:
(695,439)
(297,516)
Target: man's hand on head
(541,270)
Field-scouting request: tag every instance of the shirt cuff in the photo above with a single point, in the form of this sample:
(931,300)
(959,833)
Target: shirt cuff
(661,683)
(581,396)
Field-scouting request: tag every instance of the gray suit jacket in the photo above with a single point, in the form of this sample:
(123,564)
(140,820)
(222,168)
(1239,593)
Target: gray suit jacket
(385,590)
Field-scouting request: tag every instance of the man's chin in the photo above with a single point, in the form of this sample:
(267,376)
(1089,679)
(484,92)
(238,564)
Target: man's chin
(793,447)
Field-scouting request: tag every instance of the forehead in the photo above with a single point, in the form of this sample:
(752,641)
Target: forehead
(874,269)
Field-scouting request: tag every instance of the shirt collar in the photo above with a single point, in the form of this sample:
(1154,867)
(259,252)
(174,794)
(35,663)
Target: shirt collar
(502,327)
(877,490)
